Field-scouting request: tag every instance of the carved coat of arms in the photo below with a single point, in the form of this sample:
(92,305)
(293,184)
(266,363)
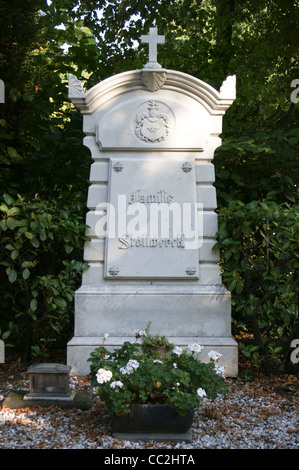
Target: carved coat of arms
(152,126)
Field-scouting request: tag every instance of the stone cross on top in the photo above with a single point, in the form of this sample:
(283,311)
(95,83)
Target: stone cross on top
(153,39)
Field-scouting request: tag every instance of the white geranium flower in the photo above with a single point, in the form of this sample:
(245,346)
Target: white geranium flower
(157,361)
(177,350)
(220,370)
(103,376)
(116,383)
(195,347)
(201,393)
(131,365)
(215,356)
(139,333)
(174,365)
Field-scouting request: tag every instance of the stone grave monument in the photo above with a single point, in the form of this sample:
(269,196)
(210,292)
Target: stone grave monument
(152,134)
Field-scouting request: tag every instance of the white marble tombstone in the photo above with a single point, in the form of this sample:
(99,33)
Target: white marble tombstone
(152,134)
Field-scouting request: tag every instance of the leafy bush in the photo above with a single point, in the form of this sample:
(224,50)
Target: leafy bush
(250,165)
(259,245)
(40,244)
(154,372)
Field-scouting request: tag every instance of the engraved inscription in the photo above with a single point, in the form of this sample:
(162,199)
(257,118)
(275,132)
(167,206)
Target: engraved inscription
(151,227)
(159,197)
(148,240)
(127,241)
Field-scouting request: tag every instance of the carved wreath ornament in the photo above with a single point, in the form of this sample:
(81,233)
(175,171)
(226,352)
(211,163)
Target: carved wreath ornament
(152,126)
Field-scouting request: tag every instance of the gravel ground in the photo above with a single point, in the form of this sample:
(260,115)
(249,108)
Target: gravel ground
(258,414)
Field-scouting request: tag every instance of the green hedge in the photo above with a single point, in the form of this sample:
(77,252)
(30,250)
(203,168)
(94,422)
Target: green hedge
(40,258)
(260,258)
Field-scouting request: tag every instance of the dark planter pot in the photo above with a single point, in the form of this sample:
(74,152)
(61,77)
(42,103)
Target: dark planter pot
(153,419)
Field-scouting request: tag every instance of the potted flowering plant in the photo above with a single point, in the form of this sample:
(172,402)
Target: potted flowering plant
(153,372)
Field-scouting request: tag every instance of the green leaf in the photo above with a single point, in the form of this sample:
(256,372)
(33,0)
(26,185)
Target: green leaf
(34,225)
(34,242)
(9,247)
(5,335)
(12,276)
(232,285)
(22,223)
(11,223)
(28,235)
(7,198)
(13,211)
(4,208)
(14,254)
(42,235)
(26,273)
(3,225)
(60,302)
(33,305)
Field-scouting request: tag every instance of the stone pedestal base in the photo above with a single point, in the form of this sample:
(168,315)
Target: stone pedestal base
(80,348)
(185,315)
(50,397)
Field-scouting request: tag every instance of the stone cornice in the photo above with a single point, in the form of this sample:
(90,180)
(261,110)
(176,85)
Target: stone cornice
(215,102)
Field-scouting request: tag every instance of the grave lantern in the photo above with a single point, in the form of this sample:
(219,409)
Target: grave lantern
(49,381)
